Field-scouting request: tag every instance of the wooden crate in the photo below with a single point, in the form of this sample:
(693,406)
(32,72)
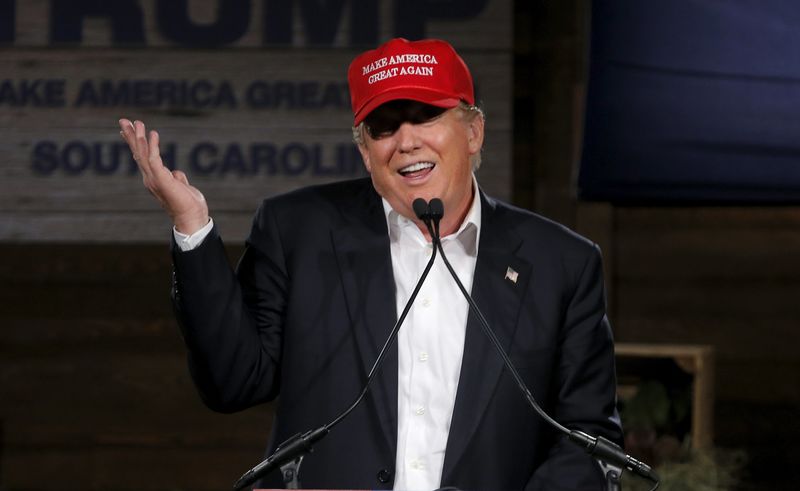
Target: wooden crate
(695,360)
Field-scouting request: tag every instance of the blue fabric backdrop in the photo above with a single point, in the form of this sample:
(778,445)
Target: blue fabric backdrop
(693,101)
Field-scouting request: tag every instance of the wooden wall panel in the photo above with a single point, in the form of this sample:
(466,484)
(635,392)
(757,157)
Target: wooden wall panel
(152,226)
(94,389)
(54,187)
(128,467)
(728,277)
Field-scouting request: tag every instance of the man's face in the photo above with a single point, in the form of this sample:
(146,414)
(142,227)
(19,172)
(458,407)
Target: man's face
(413,150)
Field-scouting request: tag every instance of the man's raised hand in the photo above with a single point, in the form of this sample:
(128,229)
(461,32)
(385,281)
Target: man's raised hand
(182,201)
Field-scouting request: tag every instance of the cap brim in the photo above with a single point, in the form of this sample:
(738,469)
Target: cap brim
(419,94)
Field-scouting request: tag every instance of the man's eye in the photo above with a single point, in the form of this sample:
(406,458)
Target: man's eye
(381,132)
(431,119)
(385,121)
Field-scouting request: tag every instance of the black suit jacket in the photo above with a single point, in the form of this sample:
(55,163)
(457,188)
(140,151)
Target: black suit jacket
(312,301)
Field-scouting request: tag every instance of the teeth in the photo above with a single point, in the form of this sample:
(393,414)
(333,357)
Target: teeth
(416,167)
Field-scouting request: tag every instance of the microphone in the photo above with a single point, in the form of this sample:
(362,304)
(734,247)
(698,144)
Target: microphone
(289,454)
(420,207)
(598,447)
(436,212)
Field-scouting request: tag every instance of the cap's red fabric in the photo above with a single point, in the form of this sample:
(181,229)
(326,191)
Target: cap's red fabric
(428,71)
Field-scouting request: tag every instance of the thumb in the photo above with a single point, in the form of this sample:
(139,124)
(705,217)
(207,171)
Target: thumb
(181,176)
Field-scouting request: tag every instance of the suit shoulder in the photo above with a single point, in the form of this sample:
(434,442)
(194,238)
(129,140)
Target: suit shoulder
(554,250)
(304,213)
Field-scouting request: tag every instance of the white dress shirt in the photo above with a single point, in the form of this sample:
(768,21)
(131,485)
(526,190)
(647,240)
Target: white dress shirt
(430,343)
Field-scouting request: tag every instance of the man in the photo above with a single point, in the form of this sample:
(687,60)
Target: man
(328,268)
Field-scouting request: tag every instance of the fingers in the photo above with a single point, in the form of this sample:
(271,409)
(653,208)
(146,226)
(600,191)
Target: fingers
(130,133)
(127,133)
(145,149)
(154,156)
(142,152)
(153,144)
(125,128)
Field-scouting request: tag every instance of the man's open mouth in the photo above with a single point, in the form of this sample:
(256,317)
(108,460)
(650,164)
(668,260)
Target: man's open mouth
(417,169)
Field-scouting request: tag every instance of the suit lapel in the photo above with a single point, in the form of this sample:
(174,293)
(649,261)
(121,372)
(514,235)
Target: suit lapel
(499,299)
(363,253)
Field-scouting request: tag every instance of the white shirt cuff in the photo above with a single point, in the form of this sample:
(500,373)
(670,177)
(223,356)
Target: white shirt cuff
(189,242)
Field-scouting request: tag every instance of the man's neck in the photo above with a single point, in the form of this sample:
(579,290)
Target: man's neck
(450,225)
(451,222)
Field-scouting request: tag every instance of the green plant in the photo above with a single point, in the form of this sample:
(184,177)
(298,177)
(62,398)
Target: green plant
(657,422)
(707,470)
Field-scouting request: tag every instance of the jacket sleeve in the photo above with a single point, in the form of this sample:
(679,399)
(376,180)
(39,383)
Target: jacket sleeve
(585,384)
(232,321)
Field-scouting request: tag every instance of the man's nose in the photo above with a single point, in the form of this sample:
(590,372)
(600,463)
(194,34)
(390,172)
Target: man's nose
(407,136)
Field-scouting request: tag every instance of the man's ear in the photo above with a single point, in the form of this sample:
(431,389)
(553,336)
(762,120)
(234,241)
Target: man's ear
(362,147)
(475,134)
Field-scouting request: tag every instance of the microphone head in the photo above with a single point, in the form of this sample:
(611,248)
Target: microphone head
(436,209)
(420,207)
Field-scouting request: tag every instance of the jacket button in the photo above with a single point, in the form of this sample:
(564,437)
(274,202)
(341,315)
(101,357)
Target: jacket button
(384,475)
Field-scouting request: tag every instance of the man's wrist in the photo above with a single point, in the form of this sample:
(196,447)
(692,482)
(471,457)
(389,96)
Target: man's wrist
(189,226)
(187,242)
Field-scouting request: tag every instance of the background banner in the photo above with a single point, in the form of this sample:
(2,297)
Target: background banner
(249,96)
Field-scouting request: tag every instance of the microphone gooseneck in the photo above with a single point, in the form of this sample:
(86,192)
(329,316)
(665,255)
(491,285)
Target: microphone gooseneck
(598,447)
(302,443)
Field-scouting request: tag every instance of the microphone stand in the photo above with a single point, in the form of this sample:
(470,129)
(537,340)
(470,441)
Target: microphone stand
(598,447)
(289,454)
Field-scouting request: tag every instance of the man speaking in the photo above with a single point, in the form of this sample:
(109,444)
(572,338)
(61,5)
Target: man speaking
(328,269)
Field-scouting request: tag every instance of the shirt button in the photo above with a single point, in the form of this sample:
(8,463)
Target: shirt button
(426,302)
(384,475)
(420,410)
(423,356)
(428,250)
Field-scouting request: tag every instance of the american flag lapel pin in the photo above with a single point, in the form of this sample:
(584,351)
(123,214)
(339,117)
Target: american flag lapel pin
(512,275)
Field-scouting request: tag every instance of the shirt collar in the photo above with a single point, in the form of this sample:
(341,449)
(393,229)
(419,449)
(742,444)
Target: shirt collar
(468,232)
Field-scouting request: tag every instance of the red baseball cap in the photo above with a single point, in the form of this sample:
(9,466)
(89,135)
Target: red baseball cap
(428,71)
